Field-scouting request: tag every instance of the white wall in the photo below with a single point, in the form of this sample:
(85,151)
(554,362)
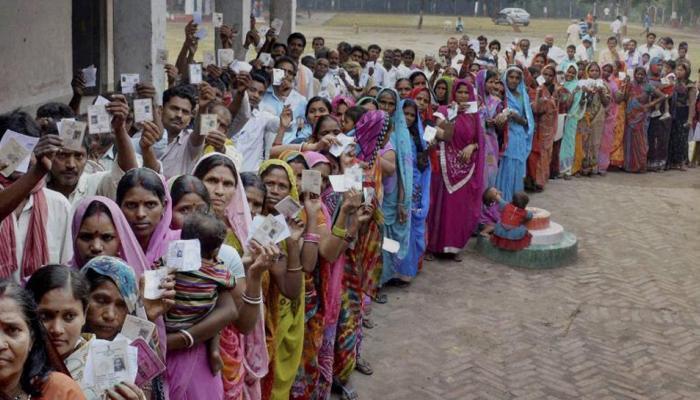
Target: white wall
(35,52)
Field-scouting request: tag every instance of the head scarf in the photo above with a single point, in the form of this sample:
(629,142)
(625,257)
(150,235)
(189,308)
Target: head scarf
(427,114)
(366,100)
(370,131)
(121,274)
(36,251)
(129,247)
(237,210)
(525,99)
(162,235)
(267,164)
(340,99)
(401,140)
(314,158)
(448,80)
(289,155)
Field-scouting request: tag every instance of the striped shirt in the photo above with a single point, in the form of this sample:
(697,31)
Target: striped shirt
(196,294)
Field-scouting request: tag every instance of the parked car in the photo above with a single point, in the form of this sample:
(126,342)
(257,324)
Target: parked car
(509,16)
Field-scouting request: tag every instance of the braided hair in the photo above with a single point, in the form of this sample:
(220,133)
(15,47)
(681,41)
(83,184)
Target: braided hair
(380,140)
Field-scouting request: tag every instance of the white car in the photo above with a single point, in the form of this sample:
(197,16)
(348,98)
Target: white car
(509,16)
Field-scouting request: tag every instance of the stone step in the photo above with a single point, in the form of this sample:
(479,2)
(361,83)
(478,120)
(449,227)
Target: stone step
(534,257)
(540,219)
(550,235)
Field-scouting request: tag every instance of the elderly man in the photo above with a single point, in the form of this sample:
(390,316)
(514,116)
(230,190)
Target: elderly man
(555,53)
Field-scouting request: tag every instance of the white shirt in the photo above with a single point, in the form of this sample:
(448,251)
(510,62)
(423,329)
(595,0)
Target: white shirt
(255,139)
(391,76)
(615,26)
(556,54)
(102,183)
(573,31)
(379,70)
(58,229)
(179,156)
(404,71)
(229,256)
(525,61)
(653,51)
(670,54)
(582,54)
(457,62)
(632,60)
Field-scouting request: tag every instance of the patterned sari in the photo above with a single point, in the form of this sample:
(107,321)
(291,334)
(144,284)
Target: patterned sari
(284,320)
(457,192)
(490,107)
(606,142)
(636,121)
(546,112)
(568,141)
(590,131)
(363,266)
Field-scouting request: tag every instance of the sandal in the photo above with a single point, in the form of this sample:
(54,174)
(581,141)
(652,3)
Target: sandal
(346,393)
(429,257)
(362,366)
(397,283)
(457,257)
(380,298)
(367,323)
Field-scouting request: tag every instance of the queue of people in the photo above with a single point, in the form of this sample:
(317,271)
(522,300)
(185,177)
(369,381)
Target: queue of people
(439,144)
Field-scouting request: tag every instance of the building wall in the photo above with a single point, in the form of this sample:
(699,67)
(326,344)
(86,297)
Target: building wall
(35,52)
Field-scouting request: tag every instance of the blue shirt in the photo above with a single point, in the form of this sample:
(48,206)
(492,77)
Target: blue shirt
(274,105)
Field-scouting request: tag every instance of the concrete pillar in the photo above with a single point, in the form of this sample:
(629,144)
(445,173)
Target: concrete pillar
(286,10)
(139,32)
(236,14)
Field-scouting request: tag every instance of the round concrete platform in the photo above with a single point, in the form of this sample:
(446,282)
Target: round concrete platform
(553,234)
(540,219)
(534,257)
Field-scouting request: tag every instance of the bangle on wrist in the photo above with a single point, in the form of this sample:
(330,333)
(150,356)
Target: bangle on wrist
(188,338)
(297,269)
(312,237)
(339,232)
(252,300)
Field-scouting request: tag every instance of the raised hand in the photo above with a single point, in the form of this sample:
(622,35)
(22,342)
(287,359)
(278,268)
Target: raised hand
(119,108)
(44,151)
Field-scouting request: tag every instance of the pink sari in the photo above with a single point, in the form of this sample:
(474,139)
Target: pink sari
(608,139)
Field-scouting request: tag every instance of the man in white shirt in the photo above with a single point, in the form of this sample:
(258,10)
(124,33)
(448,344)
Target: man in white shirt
(178,148)
(392,72)
(524,56)
(573,33)
(258,134)
(669,53)
(616,26)
(304,83)
(276,98)
(56,215)
(373,64)
(651,48)
(67,174)
(609,55)
(554,52)
(584,51)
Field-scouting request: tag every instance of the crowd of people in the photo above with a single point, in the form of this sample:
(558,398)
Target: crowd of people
(439,143)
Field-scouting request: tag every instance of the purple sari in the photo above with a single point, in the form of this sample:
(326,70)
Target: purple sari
(457,190)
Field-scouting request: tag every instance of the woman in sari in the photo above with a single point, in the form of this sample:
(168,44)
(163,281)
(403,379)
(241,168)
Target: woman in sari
(407,268)
(521,125)
(442,90)
(545,108)
(683,112)
(617,151)
(638,97)
(659,128)
(242,343)
(144,199)
(363,267)
(114,294)
(283,287)
(490,108)
(568,141)
(397,203)
(457,193)
(606,142)
(340,104)
(590,126)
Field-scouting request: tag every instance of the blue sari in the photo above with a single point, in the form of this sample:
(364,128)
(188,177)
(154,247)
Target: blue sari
(568,140)
(393,229)
(408,267)
(512,168)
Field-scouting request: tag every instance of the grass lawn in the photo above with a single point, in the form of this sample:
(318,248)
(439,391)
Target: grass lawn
(397,30)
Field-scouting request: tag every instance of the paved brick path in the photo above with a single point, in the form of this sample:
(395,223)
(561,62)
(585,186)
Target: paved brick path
(622,323)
